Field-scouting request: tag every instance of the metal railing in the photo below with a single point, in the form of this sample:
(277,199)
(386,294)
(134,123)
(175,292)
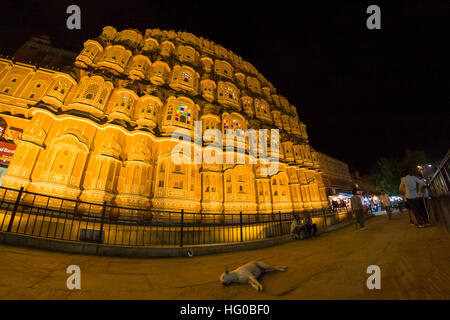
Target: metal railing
(438,207)
(440,182)
(50,217)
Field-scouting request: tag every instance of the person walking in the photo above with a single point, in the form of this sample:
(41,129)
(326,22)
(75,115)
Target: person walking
(405,205)
(408,186)
(386,204)
(424,195)
(358,208)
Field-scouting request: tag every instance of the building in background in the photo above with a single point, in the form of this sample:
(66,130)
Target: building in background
(363,182)
(100,130)
(337,179)
(336,175)
(40,52)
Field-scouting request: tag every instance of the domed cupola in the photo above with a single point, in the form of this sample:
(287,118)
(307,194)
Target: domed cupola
(207,88)
(122,104)
(247,104)
(184,78)
(167,49)
(59,89)
(88,56)
(148,108)
(151,45)
(139,67)
(92,94)
(108,34)
(159,72)
(207,64)
(181,112)
(130,38)
(115,57)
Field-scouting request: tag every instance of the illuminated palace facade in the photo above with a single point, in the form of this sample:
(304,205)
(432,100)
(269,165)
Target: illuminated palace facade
(101,129)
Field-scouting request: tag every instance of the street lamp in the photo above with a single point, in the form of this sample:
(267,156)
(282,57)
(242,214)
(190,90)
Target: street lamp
(420,170)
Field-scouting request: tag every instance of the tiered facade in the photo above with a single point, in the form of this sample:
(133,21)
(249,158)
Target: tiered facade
(101,130)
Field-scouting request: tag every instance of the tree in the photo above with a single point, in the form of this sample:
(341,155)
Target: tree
(388,171)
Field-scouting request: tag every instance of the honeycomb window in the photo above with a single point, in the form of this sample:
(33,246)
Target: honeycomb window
(91,92)
(183,114)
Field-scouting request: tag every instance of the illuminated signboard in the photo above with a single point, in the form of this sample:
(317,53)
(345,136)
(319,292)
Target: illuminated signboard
(6,152)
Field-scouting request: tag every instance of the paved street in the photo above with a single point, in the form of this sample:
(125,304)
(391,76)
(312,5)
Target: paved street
(415,264)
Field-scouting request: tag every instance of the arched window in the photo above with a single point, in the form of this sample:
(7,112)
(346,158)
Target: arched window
(183,78)
(227,92)
(246,101)
(232,124)
(91,92)
(150,108)
(126,100)
(186,76)
(183,114)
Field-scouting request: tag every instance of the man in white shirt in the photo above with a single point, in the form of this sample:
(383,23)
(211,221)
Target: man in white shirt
(408,186)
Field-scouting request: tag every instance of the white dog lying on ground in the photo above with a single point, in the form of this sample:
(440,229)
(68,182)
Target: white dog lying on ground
(249,273)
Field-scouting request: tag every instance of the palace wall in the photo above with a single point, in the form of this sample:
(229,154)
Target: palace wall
(101,129)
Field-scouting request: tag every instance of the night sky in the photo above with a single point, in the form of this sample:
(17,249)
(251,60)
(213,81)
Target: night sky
(364,94)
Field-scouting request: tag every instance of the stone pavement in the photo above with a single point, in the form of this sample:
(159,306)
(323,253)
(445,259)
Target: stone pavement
(415,264)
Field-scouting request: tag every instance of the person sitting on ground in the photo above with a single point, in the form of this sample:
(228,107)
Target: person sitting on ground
(297,228)
(311,228)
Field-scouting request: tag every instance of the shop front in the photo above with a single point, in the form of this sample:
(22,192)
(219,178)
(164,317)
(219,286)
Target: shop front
(339,200)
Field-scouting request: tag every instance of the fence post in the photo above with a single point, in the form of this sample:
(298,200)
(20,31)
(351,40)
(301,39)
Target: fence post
(281,226)
(181,229)
(240,216)
(324,217)
(13,214)
(101,223)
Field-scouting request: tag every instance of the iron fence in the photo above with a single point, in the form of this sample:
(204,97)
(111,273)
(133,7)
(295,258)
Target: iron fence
(45,216)
(440,182)
(438,207)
